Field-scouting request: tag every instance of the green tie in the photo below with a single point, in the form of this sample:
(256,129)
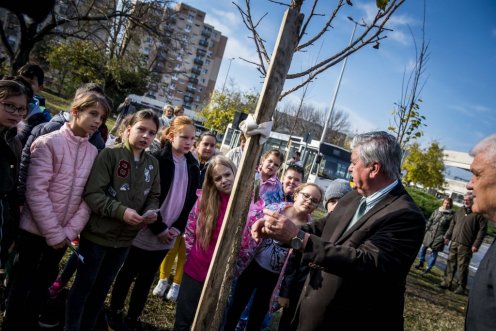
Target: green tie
(359,213)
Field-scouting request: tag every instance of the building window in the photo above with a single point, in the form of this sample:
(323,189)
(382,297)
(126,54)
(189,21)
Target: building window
(179,57)
(190,18)
(187,28)
(205,71)
(172,86)
(175,76)
(177,66)
(203,80)
(207,62)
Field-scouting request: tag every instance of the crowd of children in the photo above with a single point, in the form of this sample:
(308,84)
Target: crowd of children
(127,208)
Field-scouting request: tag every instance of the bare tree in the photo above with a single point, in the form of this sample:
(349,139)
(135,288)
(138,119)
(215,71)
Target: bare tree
(407,119)
(111,22)
(299,120)
(371,33)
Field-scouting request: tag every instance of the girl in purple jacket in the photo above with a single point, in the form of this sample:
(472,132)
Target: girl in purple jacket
(202,231)
(54,213)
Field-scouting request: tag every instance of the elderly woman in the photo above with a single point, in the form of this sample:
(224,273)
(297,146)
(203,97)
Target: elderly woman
(436,228)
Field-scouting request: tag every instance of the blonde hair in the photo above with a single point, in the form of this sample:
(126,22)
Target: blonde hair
(176,125)
(88,99)
(210,201)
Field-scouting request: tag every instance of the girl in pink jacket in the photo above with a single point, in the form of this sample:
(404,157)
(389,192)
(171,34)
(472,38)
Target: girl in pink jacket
(201,234)
(54,213)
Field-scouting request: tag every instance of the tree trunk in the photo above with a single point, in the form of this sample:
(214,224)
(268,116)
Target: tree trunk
(219,279)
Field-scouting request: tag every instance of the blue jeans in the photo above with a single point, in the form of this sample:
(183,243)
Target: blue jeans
(93,280)
(432,258)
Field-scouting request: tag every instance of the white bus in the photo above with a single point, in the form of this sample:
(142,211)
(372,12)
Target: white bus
(322,162)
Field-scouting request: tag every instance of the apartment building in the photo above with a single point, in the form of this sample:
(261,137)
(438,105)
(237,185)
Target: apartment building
(186,65)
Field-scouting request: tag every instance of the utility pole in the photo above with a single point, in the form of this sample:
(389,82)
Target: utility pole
(227,74)
(331,109)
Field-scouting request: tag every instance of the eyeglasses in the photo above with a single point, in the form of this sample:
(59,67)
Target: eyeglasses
(11,109)
(308,197)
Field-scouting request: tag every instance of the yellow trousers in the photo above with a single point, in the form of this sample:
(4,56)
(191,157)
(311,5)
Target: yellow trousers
(179,250)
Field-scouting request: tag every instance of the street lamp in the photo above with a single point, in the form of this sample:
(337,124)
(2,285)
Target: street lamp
(227,74)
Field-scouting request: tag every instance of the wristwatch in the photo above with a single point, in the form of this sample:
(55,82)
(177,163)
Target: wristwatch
(296,243)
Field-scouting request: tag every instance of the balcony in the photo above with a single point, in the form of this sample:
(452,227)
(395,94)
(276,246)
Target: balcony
(190,90)
(193,80)
(203,42)
(200,52)
(188,99)
(198,61)
(206,33)
(196,71)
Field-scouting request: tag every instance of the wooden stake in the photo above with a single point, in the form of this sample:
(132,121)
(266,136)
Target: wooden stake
(211,308)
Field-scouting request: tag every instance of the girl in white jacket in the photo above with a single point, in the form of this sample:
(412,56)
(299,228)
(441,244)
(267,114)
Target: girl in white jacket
(54,213)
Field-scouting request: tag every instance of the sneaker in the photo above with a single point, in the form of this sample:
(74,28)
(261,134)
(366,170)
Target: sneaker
(419,266)
(173,292)
(115,320)
(55,289)
(426,271)
(162,285)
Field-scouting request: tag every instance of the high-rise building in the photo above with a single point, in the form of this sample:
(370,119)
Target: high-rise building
(186,65)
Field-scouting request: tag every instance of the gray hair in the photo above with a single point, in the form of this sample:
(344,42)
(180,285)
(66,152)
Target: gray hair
(382,147)
(487,146)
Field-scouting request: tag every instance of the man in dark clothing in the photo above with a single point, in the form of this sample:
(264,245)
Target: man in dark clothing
(466,232)
(124,109)
(481,309)
(360,254)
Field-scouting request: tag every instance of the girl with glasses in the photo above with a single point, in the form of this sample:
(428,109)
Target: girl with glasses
(261,264)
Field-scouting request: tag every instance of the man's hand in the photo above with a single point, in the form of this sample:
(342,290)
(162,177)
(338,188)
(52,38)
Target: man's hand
(275,226)
(446,241)
(132,217)
(474,249)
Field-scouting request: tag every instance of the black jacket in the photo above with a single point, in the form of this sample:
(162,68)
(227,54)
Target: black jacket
(10,151)
(166,169)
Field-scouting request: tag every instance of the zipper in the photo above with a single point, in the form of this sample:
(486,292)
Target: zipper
(72,183)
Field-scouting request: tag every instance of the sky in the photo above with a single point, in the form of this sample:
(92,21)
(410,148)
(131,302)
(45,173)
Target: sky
(459,95)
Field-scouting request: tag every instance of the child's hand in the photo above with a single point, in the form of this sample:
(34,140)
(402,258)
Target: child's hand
(150,216)
(60,245)
(283,302)
(132,217)
(166,236)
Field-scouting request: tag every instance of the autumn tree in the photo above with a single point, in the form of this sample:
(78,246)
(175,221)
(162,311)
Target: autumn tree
(219,112)
(424,166)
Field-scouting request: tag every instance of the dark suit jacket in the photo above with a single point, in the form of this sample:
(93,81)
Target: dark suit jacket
(357,278)
(481,309)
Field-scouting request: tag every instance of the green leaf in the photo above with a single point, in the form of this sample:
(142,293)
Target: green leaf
(381,4)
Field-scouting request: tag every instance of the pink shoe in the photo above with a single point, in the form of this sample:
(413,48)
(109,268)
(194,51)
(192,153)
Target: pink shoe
(55,289)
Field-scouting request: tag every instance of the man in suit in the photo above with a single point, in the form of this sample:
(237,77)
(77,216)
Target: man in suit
(360,254)
(481,309)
